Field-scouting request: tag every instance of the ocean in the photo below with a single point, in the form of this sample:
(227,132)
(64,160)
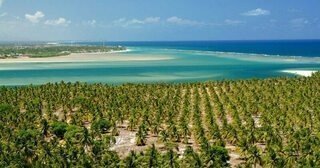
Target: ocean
(191,61)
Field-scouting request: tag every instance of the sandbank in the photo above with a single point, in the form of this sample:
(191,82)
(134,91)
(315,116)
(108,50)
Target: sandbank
(306,73)
(88,57)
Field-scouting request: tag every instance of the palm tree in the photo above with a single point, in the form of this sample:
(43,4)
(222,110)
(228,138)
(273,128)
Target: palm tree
(272,159)
(152,156)
(45,127)
(86,140)
(191,158)
(131,160)
(141,136)
(254,156)
(184,129)
(170,159)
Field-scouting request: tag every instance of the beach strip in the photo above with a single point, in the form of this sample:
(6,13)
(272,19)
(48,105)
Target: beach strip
(88,57)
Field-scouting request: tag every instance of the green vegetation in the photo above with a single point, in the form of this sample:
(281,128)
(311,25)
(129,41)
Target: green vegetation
(9,51)
(245,123)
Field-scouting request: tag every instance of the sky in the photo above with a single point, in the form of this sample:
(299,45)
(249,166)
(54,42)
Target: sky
(158,20)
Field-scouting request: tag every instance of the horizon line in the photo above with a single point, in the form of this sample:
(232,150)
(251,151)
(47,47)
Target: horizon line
(111,41)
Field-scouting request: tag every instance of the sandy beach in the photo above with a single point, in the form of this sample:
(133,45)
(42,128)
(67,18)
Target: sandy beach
(88,57)
(306,73)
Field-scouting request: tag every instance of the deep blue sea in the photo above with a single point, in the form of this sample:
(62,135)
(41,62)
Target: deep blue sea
(173,62)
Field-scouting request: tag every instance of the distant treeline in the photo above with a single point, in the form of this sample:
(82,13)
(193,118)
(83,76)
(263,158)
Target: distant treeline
(11,51)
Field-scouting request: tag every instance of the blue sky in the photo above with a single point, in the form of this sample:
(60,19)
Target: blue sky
(144,20)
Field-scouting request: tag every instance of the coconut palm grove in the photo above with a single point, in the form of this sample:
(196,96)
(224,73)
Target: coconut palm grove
(271,122)
(159,84)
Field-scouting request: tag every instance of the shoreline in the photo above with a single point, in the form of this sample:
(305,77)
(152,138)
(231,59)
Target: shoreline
(88,57)
(305,73)
(120,51)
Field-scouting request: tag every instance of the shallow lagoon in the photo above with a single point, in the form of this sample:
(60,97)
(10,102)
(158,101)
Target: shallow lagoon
(185,66)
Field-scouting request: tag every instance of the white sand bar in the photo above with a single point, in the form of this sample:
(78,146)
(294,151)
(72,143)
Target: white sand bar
(88,57)
(300,72)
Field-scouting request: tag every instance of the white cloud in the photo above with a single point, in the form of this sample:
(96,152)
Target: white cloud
(58,22)
(148,20)
(3,14)
(135,21)
(92,22)
(35,18)
(232,22)
(299,22)
(124,22)
(121,20)
(151,20)
(181,21)
(257,12)
(1,2)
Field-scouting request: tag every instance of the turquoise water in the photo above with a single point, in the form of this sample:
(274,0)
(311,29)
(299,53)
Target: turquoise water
(306,48)
(186,65)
